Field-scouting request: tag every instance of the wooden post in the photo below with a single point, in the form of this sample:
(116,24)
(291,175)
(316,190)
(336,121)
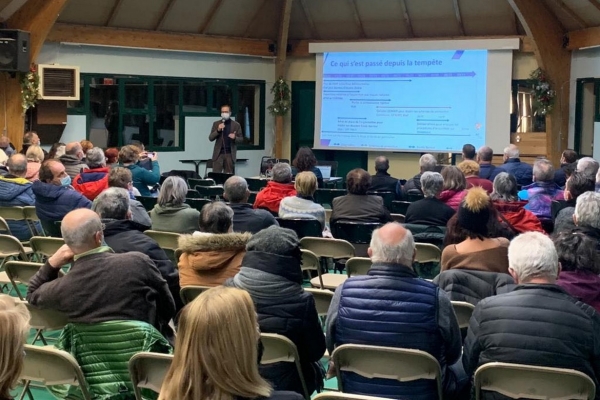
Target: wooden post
(280,70)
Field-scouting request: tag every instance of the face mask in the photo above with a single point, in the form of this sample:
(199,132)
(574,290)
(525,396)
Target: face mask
(66,181)
(225,115)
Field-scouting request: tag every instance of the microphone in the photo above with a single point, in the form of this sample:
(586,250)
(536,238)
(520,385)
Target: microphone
(222,121)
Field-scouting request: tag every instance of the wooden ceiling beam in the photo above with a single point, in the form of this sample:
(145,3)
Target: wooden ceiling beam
(458,15)
(567,10)
(583,38)
(135,38)
(210,16)
(113,12)
(595,3)
(309,19)
(255,18)
(357,19)
(164,13)
(409,27)
(11,8)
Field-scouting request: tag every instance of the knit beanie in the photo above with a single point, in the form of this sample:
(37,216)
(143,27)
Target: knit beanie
(474,211)
(275,240)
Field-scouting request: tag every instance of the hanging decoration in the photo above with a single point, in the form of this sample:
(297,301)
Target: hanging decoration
(30,85)
(543,94)
(282,100)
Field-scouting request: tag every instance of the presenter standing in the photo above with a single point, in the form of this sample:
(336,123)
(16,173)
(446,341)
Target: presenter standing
(226,133)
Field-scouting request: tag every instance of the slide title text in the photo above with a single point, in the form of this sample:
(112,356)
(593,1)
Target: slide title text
(381,63)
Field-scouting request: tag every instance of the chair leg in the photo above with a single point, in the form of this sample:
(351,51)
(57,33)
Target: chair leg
(26,391)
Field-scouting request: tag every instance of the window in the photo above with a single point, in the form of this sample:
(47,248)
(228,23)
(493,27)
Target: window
(152,110)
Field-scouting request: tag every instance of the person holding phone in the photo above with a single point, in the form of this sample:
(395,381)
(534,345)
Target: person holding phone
(226,133)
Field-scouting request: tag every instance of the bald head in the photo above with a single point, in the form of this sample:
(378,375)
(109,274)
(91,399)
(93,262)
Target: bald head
(17,165)
(4,142)
(382,164)
(394,244)
(485,154)
(82,230)
(74,149)
(236,190)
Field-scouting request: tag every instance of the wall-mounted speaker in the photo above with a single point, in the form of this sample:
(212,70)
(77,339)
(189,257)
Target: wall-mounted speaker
(14,50)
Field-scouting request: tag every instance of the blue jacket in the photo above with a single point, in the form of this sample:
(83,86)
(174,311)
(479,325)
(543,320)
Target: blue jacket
(489,171)
(523,172)
(142,178)
(53,202)
(540,196)
(15,191)
(393,307)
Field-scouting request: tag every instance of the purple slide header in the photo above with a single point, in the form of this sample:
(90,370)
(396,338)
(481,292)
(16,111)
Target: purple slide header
(408,75)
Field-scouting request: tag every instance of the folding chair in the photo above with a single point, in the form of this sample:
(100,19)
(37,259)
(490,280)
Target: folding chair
(43,320)
(148,371)
(519,381)
(326,196)
(387,197)
(189,293)
(219,177)
(147,201)
(278,348)
(44,247)
(357,233)
(302,226)
(344,396)
(166,240)
(312,262)
(256,184)
(192,182)
(197,203)
(33,221)
(210,192)
(10,249)
(399,207)
(463,311)
(50,366)
(326,248)
(4,228)
(192,194)
(403,365)
(400,218)
(358,266)
(322,302)
(21,272)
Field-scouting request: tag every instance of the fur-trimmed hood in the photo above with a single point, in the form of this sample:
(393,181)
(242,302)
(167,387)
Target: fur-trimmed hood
(214,242)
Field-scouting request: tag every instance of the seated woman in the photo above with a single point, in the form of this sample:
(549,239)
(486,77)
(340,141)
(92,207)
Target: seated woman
(512,210)
(214,255)
(14,327)
(272,274)
(577,184)
(429,210)
(217,351)
(35,157)
(303,204)
(470,170)
(129,157)
(454,187)
(580,266)
(306,161)
(479,251)
(171,214)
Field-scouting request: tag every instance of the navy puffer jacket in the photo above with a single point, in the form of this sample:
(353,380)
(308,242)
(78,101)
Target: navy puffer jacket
(53,202)
(15,191)
(522,172)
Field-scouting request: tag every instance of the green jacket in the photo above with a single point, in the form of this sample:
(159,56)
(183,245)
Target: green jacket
(103,351)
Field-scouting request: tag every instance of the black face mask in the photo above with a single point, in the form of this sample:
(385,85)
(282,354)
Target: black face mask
(261,350)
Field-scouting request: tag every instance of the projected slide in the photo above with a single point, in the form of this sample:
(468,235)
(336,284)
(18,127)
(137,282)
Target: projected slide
(404,101)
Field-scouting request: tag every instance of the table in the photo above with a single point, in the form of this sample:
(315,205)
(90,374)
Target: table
(198,162)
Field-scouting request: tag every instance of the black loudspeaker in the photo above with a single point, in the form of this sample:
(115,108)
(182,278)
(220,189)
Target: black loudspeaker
(14,50)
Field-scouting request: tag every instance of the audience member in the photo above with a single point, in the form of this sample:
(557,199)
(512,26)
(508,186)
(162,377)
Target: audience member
(430,210)
(121,177)
(357,205)
(123,235)
(470,170)
(542,191)
(468,152)
(303,205)
(523,172)
(245,218)
(112,157)
(3,160)
(382,181)
(6,146)
(54,196)
(35,158)
(511,209)
(171,214)
(427,162)
(271,273)
(214,255)
(537,323)
(280,187)
(30,138)
(587,215)
(14,328)
(392,307)
(216,351)
(100,286)
(588,166)
(306,161)
(86,146)
(91,182)
(579,266)
(15,190)
(454,186)
(57,150)
(487,170)
(73,159)
(568,159)
(479,250)
(577,184)
(142,177)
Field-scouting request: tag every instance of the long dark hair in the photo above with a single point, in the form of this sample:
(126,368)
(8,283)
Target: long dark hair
(496,228)
(305,159)
(577,251)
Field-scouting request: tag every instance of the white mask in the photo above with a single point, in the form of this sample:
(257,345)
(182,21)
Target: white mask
(225,115)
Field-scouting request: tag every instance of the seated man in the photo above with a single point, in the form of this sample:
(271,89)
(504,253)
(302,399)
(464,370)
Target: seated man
(357,206)
(91,182)
(576,185)
(568,160)
(31,138)
(427,162)
(281,186)
(468,152)
(537,323)
(382,181)
(123,235)
(587,215)
(392,307)
(542,191)
(121,178)
(72,159)
(588,166)
(15,190)
(487,170)
(245,218)
(6,146)
(430,210)
(101,285)
(523,172)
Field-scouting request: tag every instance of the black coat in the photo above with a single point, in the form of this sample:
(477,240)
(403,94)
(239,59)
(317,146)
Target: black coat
(473,286)
(383,182)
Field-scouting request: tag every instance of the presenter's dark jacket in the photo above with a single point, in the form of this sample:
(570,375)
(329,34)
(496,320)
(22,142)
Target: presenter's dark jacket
(359,208)
(215,136)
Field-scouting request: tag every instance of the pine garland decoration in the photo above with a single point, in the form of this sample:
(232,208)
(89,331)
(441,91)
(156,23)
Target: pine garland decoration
(282,98)
(30,86)
(543,94)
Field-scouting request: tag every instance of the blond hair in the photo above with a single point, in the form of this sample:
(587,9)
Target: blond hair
(35,153)
(14,326)
(469,168)
(216,350)
(306,183)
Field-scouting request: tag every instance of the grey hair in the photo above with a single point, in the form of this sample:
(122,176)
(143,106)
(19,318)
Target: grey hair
(216,217)
(511,151)
(431,183)
(95,158)
(543,171)
(282,173)
(505,188)
(588,166)
(17,165)
(587,210)
(427,162)
(173,191)
(533,255)
(113,203)
(235,189)
(397,253)
(82,234)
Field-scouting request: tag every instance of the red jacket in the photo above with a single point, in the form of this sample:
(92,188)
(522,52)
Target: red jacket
(91,182)
(272,194)
(452,198)
(473,181)
(521,219)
